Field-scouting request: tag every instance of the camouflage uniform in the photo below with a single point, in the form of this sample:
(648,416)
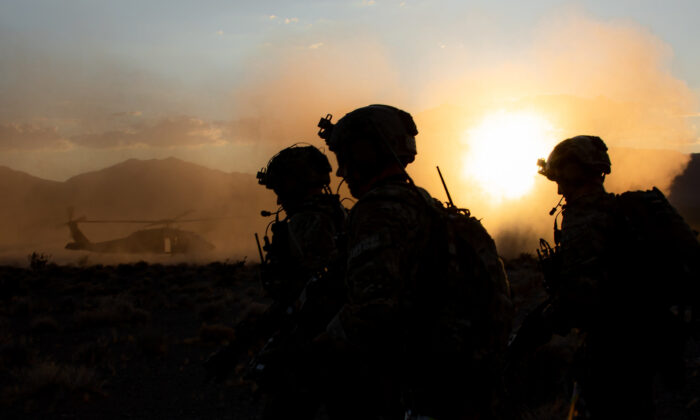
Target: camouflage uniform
(616,285)
(388,237)
(402,341)
(586,225)
(301,276)
(303,245)
(304,279)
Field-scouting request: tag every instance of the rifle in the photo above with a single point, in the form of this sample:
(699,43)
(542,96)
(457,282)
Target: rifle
(534,331)
(538,326)
(260,251)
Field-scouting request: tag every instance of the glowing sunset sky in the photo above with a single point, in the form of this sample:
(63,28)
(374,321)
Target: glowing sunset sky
(86,84)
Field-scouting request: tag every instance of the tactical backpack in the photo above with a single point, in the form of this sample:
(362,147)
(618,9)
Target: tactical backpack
(478,312)
(656,237)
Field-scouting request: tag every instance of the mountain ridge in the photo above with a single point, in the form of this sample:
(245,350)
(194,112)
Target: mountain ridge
(133,189)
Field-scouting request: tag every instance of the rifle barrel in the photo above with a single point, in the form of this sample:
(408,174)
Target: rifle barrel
(262,257)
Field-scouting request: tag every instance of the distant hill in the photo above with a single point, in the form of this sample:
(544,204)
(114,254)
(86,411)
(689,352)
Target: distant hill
(685,192)
(34,210)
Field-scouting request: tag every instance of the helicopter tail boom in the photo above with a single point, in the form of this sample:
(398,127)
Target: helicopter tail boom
(80,241)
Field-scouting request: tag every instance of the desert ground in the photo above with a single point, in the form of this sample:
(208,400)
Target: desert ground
(129,341)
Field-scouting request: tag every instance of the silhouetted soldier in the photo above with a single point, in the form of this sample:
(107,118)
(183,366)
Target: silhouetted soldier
(623,268)
(405,342)
(304,243)
(300,275)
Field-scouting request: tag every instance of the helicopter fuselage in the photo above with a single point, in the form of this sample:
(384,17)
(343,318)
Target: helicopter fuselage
(163,240)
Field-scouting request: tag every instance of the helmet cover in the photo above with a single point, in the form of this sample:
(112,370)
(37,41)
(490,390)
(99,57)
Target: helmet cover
(388,126)
(588,151)
(306,164)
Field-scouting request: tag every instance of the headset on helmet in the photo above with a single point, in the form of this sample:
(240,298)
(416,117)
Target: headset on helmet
(588,151)
(308,165)
(392,127)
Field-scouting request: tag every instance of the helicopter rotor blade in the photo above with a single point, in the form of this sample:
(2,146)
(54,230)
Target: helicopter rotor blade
(183,214)
(205,219)
(116,221)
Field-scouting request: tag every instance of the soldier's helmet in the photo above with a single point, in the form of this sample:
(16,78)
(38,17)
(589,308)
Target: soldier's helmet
(391,129)
(588,152)
(306,166)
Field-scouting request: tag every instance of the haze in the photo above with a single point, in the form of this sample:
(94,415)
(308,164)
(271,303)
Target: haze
(88,84)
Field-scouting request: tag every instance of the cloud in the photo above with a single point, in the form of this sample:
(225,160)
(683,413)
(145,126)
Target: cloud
(291,20)
(88,87)
(316,46)
(14,136)
(167,132)
(272,17)
(220,32)
(368,2)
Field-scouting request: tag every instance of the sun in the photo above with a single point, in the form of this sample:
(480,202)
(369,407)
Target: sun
(503,151)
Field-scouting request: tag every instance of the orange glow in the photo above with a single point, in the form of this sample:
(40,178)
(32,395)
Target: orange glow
(503,151)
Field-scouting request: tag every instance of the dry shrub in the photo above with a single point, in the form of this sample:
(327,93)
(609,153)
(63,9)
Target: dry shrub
(184,302)
(38,261)
(66,305)
(252,291)
(195,288)
(44,324)
(251,308)
(4,327)
(111,311)
(216,333)
(211,311)
(20,306)
(91,352)
(15,352)
(227,296)
(46,384)
(40,305)
(206,295)
(152,344)
(558,409)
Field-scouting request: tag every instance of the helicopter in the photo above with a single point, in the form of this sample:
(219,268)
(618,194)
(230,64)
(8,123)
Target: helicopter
(163,239)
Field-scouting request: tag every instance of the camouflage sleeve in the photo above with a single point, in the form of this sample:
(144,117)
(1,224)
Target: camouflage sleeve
(312,237)
(585,271)
(384,238)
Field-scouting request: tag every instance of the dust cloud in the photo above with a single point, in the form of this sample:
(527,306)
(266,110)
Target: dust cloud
(287,92)
(582,75)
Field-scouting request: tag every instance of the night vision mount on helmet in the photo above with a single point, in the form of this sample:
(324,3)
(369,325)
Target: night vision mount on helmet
(306,164)
(385,124)
(588,151)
